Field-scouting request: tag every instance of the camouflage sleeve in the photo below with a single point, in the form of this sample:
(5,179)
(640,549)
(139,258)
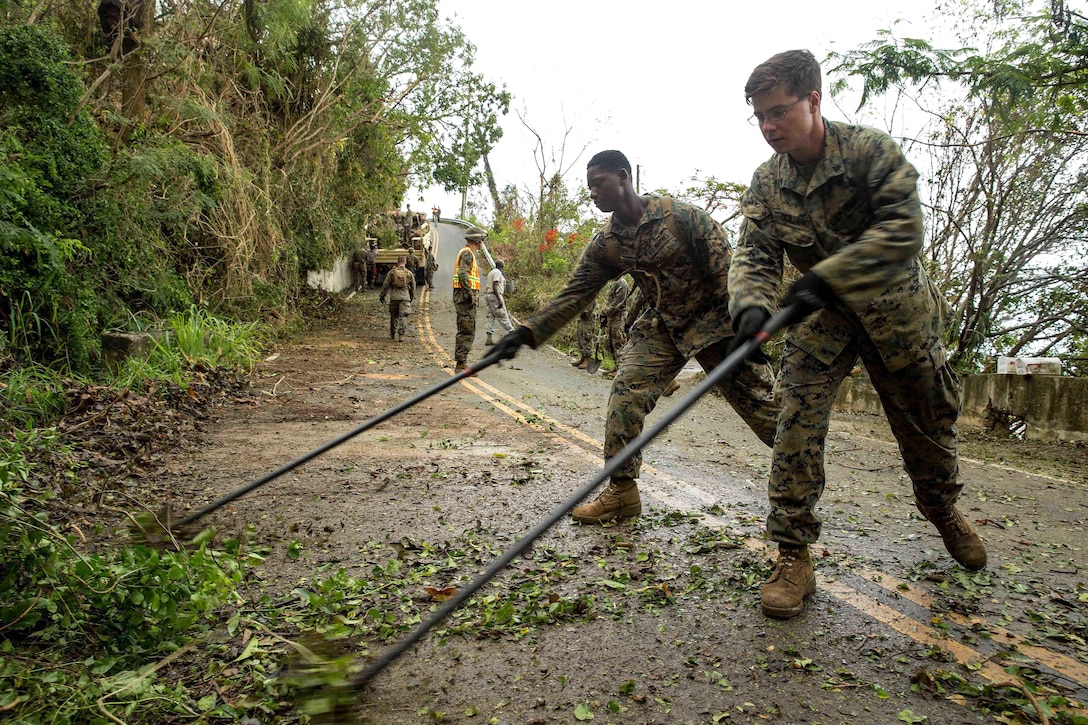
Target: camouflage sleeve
(592,272)
(756,267)
(893,237)
(387,284)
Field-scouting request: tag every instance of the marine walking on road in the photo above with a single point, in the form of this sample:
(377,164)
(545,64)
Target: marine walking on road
(495,299)
(399,289)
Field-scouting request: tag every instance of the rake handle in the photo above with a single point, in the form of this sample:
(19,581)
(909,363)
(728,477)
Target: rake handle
(481,364)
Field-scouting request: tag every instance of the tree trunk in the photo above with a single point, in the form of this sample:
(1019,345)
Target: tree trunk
(123,21)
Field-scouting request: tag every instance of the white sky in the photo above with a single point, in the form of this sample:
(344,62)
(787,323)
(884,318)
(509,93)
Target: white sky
(661,81)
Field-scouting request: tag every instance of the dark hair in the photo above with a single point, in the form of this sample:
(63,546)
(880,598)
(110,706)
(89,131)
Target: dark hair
(797,69)
(611,161)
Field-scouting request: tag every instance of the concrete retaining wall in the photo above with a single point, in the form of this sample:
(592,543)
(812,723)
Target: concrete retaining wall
(1052,407)
(333,280)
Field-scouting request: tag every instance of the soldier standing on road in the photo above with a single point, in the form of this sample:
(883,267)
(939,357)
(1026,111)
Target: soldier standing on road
(678,256)
(360,279)
(496,304)
(466,287)
(586,335)
(841,202)
(612,319)
(430,265)
(372,265)
(399,288)
(406,228)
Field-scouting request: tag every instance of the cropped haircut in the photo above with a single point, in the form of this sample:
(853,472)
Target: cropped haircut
(798,70)
(610,161)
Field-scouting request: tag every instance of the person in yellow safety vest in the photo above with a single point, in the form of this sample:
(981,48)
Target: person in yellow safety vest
(466,288)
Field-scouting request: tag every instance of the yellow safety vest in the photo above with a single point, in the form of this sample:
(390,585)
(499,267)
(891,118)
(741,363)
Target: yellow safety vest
(473,274)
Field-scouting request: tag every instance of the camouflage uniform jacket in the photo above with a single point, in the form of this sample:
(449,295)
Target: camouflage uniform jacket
(684,280)
(615,306)
(392,292)
(857,223)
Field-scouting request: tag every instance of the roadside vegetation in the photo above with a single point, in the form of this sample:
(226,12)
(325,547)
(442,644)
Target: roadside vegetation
(179,173)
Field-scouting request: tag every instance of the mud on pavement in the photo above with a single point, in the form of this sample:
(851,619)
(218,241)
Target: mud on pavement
(651,621)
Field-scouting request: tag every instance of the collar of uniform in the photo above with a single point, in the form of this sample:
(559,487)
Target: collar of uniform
(653,212)
(828,167)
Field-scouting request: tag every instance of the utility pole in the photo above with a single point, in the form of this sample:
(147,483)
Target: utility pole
(464,183)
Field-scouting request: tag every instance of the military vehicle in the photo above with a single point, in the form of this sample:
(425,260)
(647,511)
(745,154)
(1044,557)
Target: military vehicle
(388,231)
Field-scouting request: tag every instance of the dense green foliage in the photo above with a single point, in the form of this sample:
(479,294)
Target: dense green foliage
(78,626)
(47,168)
(226,152)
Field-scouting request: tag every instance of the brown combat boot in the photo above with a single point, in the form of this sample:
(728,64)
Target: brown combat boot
(580,362)
(960,539)
(459,365)
(489,341)
(783,596)
(673,387)
(619,501)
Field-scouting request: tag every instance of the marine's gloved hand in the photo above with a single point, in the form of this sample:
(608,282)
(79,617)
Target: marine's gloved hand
(745,326)
(507,347)
(381,299)
(807,295)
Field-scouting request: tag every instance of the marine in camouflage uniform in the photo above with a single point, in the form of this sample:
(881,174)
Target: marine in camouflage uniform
(400,299)
(372,265)
(359,278)
(679,257)
(586,335)
(846,214)
(430,266)
(466,290)
(613,317)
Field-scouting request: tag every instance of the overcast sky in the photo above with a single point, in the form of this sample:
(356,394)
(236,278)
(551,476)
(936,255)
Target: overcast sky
(663,81)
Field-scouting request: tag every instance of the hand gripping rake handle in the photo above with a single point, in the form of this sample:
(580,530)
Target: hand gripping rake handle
(713,378)
(484,362)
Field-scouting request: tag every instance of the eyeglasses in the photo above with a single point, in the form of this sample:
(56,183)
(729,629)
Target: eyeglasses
(774,115)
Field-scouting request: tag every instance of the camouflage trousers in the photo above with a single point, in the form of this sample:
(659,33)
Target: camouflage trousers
(649,363)
(399,312)
(586,333)
(921,402)
(496,312)
(428,275)
(360,275)
(615,336)
(464,302)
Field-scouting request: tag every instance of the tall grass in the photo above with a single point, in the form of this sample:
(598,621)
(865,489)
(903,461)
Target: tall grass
(30,396)
(203,339)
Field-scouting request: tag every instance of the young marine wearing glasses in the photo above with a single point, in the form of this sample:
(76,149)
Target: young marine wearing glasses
(841,202)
